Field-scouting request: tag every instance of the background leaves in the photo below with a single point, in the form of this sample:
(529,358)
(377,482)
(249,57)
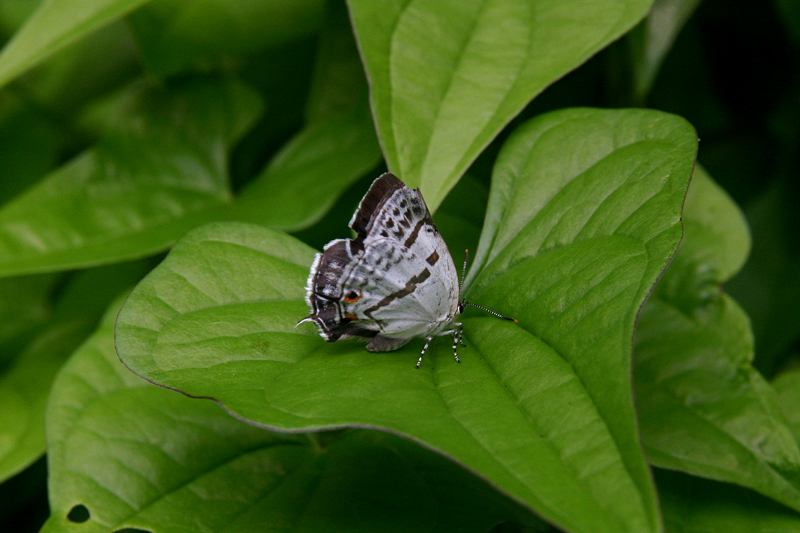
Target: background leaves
(304,157)
(111,203)
(25,379)
(704,409)
(494,58)
(54,25)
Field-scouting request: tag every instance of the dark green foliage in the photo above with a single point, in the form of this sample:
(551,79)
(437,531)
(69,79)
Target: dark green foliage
(153,153)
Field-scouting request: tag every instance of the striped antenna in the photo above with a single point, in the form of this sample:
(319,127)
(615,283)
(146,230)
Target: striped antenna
(498,315)
(463,271)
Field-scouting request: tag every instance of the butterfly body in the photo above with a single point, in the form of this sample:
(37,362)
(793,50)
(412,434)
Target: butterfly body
(395,281)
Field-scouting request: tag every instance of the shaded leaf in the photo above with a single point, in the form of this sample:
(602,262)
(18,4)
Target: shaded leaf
(67,81)
(204,35)
(217,319)
(652,39)
(769,285)
(447,76)
(789,13)
(25,384)
(336,147)
(129,197)
(28,146)
(460,217)
(703,408)
(139,456)
(694,505)
(787,385)
(24,306)
(54,25)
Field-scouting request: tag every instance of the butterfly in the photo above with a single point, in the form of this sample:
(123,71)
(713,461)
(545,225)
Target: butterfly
(394,282)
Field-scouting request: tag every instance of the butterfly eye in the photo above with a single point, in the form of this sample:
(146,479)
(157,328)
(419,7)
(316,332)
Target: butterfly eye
(352,297)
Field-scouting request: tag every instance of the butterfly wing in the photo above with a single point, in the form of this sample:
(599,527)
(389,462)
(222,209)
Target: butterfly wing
(396,279)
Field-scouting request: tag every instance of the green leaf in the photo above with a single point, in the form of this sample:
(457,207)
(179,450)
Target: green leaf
(175,36)
(336,147)
(139,456)
(54,25)
(129,196)
(24,306)
(787,385)
(66,82)
(447,76)
(694,505)
(217,319)
(703,408)
(650,41)
(28,146)
(460,217)
(25,384)
(769,285)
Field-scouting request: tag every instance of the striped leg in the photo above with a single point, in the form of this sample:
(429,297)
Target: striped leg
(424,349)
(457,333)
(455,345)
(460,333)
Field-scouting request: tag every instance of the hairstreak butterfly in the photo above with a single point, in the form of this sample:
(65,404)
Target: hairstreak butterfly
(395,281)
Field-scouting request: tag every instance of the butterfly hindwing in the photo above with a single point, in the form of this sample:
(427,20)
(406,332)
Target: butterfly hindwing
(395,280)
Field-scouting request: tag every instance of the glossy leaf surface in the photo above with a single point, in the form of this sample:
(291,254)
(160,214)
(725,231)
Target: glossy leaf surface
(447,76)
(217,318)
(704,409)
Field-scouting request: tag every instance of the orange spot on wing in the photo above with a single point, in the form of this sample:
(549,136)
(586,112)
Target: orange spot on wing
(352,297)
(351,317)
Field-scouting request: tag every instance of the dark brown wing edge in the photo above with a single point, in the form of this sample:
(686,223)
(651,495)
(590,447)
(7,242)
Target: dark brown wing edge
(381,188)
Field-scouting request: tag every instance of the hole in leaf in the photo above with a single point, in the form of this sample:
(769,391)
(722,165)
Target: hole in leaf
(79,514)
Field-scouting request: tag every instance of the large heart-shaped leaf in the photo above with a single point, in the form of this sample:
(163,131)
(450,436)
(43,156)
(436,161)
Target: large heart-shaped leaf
(54,25)
(703,408)
(128,197)
(25,383)
(134,455)
(447,76)
(336,147)
(543,409)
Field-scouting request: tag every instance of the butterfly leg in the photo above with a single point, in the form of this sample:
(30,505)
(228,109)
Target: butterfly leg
(460,333)
(456,332)
(456,338)
(424,349)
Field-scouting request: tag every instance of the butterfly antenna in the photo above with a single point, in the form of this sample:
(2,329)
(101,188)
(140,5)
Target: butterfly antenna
(463,271)
(498,315)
